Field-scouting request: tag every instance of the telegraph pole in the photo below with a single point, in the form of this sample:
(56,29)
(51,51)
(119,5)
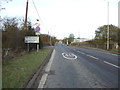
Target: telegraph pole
(25,24)
(108,31)
(119,27)
(119,14)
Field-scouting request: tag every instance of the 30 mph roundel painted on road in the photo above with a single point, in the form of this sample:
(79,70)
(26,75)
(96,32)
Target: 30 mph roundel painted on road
(69,56)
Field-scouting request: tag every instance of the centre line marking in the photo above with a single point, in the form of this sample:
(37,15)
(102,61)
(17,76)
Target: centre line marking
(92,56)
(99,59)
(81,52)
(111,64)
(88,55)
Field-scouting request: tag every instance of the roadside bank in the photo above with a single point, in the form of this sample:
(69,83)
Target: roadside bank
(21,71)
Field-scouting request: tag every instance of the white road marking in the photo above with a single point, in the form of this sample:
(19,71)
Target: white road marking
(114,54)
(111,64)
(43,80)
(47,69)
(80,52)
(73,55)
(92,57)
(99,59)
(69,56)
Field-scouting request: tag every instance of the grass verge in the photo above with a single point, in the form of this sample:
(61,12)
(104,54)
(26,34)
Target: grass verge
(17,72)
(115,50)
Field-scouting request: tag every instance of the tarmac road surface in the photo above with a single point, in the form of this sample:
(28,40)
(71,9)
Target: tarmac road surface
(78,67)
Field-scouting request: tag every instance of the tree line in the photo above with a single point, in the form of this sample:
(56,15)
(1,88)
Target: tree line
(100,39)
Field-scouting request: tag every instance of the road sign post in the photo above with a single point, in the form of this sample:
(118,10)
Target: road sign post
(37,47)
(37,32)
(32,39)
(28,46)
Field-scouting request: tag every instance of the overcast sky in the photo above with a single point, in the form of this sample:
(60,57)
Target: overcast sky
(62,17)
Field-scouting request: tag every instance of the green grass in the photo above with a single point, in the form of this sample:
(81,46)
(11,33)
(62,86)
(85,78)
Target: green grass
(114,50)
(17,72)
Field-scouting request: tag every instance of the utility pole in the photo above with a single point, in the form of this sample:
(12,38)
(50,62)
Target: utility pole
(25,24)
(119,26)
(108,31)
(119,14)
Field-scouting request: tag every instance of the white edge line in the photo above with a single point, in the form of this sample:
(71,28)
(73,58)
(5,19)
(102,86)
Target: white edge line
(43,80)
(47,69)
(111,64)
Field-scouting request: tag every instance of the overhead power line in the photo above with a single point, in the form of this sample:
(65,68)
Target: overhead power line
(38,13)
(36,9)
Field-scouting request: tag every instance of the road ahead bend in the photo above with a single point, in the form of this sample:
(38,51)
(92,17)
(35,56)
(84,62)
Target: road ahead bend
(74,67)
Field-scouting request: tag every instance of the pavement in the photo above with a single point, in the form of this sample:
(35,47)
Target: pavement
(78,67)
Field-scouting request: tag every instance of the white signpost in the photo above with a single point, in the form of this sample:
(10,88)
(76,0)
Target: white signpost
(37,31)
(32,39)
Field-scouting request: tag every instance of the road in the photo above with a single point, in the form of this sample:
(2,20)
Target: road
(78,67)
